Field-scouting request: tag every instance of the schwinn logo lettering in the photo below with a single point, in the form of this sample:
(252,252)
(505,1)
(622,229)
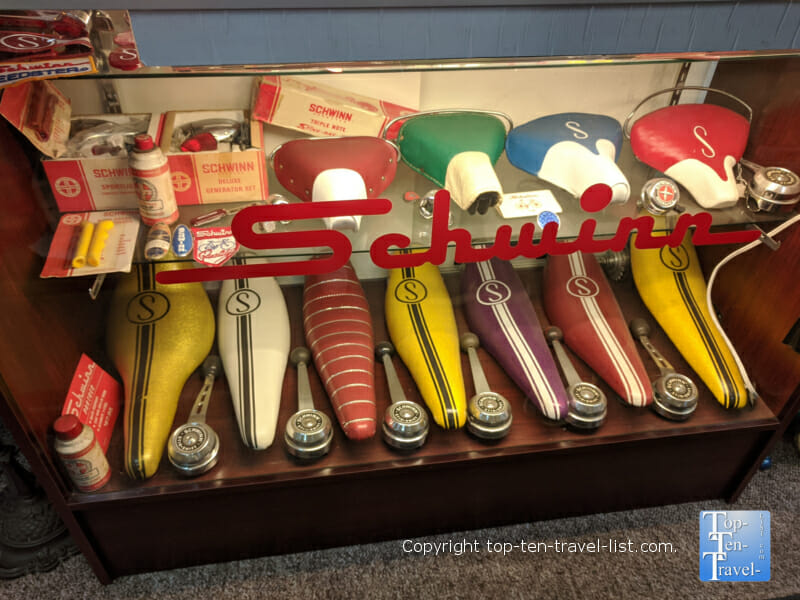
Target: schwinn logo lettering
(575,127)
(700,133)
(410,291)
(242,302)
(675,259)
(46,65)
(383,250)
(147,307)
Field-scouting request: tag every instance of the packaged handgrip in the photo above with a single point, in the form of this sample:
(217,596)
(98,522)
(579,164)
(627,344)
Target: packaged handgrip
(82,247)
(101,231)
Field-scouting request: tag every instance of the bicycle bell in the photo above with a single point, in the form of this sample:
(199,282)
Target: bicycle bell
(308,431)
(771,189)
(489,413)
(405,423)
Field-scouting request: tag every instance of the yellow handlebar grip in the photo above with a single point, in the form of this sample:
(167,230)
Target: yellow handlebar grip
(99,241)
(79,258)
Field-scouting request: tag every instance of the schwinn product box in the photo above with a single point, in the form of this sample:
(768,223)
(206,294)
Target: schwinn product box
(320,110)
(93,173)
(215,156)
(86,155)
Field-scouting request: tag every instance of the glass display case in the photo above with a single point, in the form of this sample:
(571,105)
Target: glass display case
(534,342)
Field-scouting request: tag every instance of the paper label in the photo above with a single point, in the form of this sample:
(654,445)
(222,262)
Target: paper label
(17,72)
(528,204)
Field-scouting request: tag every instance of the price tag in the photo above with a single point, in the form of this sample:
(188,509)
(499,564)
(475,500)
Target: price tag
(528,204)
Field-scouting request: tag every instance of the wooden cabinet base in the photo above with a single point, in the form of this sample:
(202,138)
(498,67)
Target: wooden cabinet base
(254,519)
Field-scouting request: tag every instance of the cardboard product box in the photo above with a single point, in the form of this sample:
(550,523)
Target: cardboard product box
(320,110)
(98,179)
(230,173)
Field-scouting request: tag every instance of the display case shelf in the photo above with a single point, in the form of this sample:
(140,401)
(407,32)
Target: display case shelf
(404,217)
(521,88)
(530,434)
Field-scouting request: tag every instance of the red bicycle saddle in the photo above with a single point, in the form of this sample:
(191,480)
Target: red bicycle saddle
(697,145)
(297,163)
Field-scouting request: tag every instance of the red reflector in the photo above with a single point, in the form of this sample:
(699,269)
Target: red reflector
(201,141)
(596,197)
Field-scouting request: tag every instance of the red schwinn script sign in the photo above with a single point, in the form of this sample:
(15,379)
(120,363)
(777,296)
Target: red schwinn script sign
(383,249)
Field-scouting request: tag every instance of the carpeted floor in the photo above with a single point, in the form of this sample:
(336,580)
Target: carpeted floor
(389,570)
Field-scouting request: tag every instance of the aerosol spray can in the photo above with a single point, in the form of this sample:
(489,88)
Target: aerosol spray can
(81,455)
(153,182)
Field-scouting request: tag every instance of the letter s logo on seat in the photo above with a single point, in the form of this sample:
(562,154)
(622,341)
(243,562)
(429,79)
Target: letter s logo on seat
(708,151)
(579,134)
(581,286)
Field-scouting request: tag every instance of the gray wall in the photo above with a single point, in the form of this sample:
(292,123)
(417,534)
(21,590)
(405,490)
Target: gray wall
(198,37)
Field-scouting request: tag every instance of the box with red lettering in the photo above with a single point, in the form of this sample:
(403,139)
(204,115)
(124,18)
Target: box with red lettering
(320,110)
(93,173)
(85,156)
(215,156)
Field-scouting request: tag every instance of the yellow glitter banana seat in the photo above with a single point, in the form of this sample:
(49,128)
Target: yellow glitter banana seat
(157,336)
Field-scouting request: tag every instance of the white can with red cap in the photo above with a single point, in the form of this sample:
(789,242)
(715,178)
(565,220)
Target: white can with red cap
(153,182)
(81,455)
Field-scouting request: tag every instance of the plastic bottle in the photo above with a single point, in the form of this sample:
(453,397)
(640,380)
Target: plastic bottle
(153,181)
(81,455)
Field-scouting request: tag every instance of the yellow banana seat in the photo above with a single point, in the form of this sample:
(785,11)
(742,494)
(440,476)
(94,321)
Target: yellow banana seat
(671,284)
(422,327)
(157,336)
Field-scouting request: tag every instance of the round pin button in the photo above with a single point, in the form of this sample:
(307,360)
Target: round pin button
(546,217)
(660,195)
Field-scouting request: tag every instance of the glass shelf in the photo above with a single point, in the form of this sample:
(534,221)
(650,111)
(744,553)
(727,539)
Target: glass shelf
(404,217)
(522,88)
(107,72)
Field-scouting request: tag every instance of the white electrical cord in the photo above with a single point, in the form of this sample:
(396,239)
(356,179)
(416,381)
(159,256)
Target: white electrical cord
(747,382)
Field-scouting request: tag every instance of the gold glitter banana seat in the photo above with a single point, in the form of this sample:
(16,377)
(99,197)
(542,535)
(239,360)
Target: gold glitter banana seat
(157,336)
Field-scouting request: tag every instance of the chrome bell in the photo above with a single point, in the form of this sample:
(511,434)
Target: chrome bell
(489,414)
(405,423)
(588,405)
(309,432)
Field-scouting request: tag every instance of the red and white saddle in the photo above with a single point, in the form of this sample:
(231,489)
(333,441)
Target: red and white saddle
(697,145)
(340,168)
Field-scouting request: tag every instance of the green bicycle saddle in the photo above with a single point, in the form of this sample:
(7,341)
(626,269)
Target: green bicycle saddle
(457,150)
